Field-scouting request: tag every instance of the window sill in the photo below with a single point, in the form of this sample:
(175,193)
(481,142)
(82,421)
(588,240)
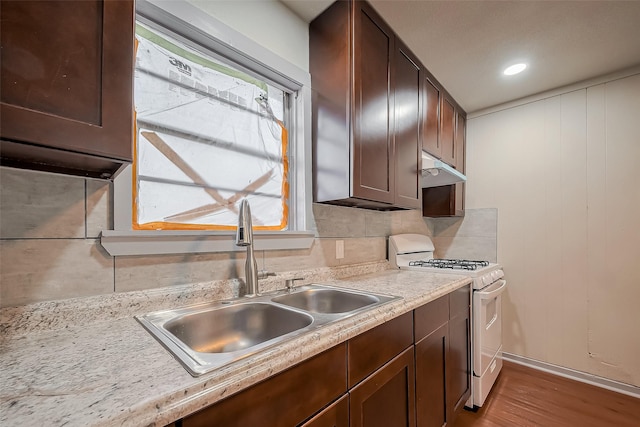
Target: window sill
(119,243)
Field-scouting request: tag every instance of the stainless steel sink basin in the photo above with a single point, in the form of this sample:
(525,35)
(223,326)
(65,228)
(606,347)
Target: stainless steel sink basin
(236,327)
(207,336)
(326,300)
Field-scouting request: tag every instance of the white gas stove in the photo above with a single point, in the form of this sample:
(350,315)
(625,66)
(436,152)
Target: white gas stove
(415,252)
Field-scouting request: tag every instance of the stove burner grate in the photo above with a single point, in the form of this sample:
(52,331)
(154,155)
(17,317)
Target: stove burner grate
(455,264)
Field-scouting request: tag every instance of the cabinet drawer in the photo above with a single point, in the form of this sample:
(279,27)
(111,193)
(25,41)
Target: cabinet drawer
(459,301)
(431,316)
(286,399)
(372,349)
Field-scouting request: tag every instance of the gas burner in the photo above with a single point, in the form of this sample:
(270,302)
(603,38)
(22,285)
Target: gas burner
(454,264)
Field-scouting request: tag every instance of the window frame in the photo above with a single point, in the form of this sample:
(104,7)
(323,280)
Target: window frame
(192,26)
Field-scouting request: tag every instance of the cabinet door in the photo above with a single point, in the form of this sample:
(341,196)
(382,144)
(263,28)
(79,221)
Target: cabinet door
(407,128)
(431,140)
(431,354)
(66,82)
(330,66)
(461,127)
(459,358)
(386,398)
(335,415)
(447,131)
(373,168)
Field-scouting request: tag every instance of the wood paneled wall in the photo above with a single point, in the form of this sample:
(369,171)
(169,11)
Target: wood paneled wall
(563,173)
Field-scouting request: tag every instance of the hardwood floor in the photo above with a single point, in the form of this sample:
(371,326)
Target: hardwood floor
(527,397)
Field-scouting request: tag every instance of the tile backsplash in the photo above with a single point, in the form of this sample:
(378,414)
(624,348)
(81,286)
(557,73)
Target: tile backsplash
(473,236)
(50,248)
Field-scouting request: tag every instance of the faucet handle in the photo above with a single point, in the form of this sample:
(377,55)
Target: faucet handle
(290,283)
(263,274)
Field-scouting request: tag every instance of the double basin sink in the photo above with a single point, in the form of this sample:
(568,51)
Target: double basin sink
(208,336)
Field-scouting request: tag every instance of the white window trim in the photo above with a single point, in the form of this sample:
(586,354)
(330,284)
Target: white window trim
(208,31)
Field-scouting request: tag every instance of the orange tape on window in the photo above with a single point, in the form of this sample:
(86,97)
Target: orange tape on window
(167,225)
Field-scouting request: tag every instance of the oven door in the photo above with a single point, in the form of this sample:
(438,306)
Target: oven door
(487,319)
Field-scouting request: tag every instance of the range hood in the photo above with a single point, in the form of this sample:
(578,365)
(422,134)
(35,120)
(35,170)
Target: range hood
(436,173)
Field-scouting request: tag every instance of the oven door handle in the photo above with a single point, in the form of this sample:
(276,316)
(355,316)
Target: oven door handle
(492,291)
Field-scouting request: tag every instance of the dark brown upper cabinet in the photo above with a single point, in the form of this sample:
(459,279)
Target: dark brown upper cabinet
(431,140)
(373,165)
(66,85)
(449,126)
(447,131)
(442,128)
(366,110)
(461,145)
(408,127)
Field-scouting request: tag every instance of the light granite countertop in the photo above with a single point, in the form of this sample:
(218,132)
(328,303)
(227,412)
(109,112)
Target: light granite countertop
(93,369)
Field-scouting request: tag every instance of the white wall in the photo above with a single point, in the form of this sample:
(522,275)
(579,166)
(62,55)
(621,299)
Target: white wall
(267,22)
(564,174)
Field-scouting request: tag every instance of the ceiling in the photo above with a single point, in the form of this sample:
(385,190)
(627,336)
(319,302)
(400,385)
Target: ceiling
(467,44)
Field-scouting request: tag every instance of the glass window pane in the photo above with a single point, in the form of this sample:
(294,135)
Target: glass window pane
(208,135)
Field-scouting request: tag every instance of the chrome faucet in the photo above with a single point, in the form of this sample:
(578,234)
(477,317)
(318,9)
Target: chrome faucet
(244,237)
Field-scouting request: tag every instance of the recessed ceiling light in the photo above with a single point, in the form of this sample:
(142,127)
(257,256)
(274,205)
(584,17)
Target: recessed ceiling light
(514,69)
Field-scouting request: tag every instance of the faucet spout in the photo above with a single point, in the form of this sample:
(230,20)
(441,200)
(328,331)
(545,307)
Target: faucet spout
(244,237)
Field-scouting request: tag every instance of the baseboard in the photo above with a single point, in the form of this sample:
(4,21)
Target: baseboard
(612,385)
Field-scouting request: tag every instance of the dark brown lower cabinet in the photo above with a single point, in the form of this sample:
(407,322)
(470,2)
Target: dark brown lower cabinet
(372,349)
(286,399)
(459,361)
(443,358)
(387,397)
(413,370)
(334,415)
(431,354)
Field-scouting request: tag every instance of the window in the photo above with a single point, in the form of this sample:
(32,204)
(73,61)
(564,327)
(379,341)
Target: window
(215,124)
(208,135)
